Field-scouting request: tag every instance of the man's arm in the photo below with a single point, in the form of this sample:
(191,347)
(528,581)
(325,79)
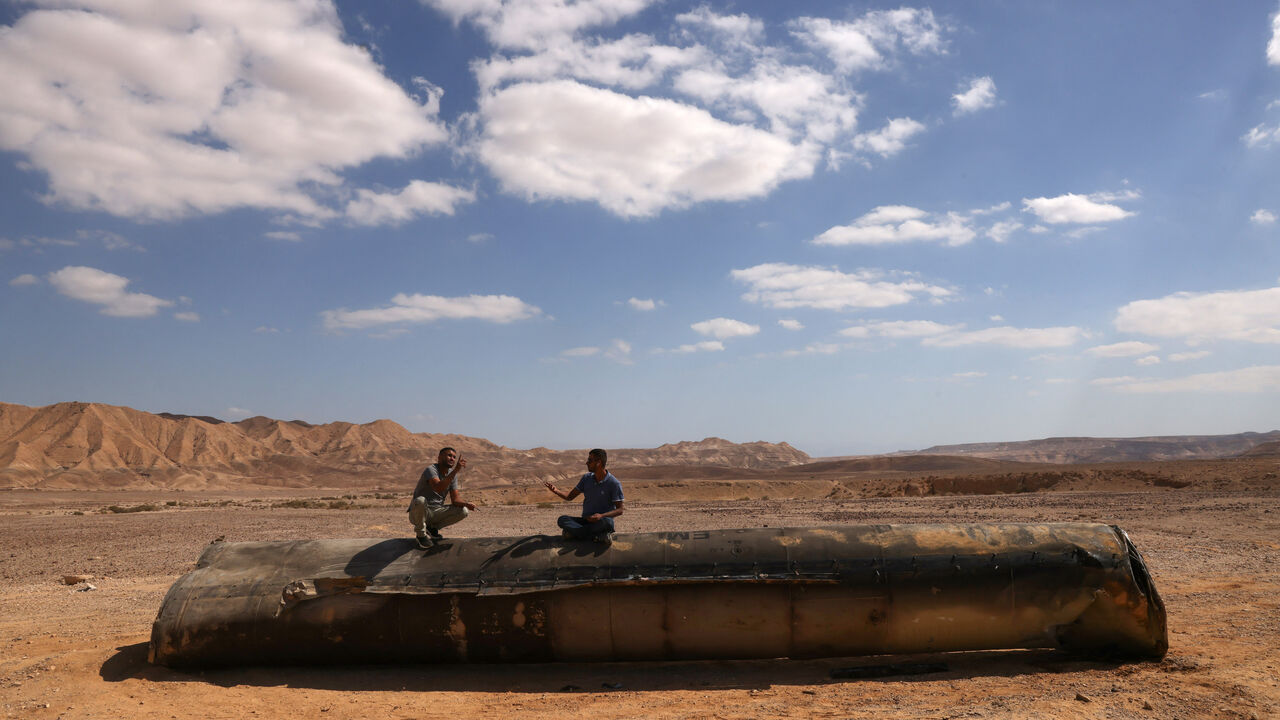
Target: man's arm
(441,483)
(615,512)
(456,500)
(575,492)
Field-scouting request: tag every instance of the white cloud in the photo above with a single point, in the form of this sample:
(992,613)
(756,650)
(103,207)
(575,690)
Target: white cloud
(1244,315)
(1071,208)
(1001,230)
(417,198)
(724,328)
(1262,217)
(791,324)
(813,349)
(24,279)
(187,316)
(163,110)
(632,62)
(872,41)
(971,375)
(1186,356)
(642,305)
(900,329)
(895,224)
(534,24)
(1261,136)
(106,289)
(1010,337)
(265,330)
(618,351)
(704,346)
(1273,45)
(479,237)
(1148,360)
(980,95)
(285,235)
(889,140)
(580,352)
(418,308)
(742,30)
(785,286)
(798,102)
(634,156)
(1122,349)
(1256,379)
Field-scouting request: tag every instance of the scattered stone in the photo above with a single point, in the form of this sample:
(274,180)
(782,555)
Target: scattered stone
(75,579)
(1146,705)
(87,587)
(1083,698)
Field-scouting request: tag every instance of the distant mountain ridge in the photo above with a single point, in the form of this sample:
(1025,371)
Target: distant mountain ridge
(92,445)
(1069,450)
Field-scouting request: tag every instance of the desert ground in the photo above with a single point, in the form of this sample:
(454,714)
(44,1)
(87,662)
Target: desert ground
(68,651)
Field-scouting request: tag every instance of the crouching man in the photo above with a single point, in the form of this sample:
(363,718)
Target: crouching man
(601,502)
(436,502)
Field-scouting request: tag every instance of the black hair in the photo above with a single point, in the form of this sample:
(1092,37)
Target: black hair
(600,455)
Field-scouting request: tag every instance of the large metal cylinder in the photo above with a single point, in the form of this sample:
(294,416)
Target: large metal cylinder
(749,593)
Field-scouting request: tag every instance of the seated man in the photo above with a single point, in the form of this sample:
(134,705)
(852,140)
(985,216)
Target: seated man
(601,502)
(428,511)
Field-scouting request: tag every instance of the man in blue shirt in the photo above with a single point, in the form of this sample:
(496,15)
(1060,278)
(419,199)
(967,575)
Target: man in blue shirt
(601,502)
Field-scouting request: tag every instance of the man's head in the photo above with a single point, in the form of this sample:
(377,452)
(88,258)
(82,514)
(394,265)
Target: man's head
(447,457)
(596,460)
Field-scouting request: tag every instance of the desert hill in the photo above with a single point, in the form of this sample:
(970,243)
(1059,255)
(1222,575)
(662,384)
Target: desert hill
(92,445)
(1070,450)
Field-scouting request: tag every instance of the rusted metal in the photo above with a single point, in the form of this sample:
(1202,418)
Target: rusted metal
(747,593)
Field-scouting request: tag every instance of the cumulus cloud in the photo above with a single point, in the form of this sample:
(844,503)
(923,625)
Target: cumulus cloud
(285,235)
(1000,231)
(106,289)
(742,30)
(618,351)
(1186,356)
(784,286)
(418,308)
(580,352)
(791,324)
(1261,136)
(874,40)
(24,279)
(724,328)
(1273,45)
(900,329)
(704,346)
(1148,360)
(644,305)
(1243,315)
(1072,208)
(187,316)
(1263,217)
(894,224)
(889,140)
(1253,380)
(813,349)
(533,24)
(417,198)
(1122,349)
(163,110)
(1050,337)
(980,95)
(634,156)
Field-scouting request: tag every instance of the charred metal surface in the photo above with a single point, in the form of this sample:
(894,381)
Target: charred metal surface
(748,593)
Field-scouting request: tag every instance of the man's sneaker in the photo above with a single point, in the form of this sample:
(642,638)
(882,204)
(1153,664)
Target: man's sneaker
(434,533)
(564,534)
(425,543)
(604,538)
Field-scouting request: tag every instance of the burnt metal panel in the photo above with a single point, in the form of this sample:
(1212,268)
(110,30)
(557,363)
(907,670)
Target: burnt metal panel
(739,593)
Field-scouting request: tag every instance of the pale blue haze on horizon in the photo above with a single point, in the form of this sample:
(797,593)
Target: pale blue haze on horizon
(854,227)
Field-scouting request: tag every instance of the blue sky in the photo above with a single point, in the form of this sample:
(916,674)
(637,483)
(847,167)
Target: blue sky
(857,228)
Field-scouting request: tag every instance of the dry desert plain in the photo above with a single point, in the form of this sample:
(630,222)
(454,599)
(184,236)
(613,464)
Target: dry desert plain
(1210,532)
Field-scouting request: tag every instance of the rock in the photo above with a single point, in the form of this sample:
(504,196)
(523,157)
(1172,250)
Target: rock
(1082,698)
(75,579)
(87,588)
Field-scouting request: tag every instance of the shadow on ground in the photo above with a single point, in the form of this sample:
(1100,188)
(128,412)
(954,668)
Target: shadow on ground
(130,662)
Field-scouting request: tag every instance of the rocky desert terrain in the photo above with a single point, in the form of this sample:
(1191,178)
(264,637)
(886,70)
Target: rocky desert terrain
(120,534)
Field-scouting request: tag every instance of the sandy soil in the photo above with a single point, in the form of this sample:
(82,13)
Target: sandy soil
(71,652)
